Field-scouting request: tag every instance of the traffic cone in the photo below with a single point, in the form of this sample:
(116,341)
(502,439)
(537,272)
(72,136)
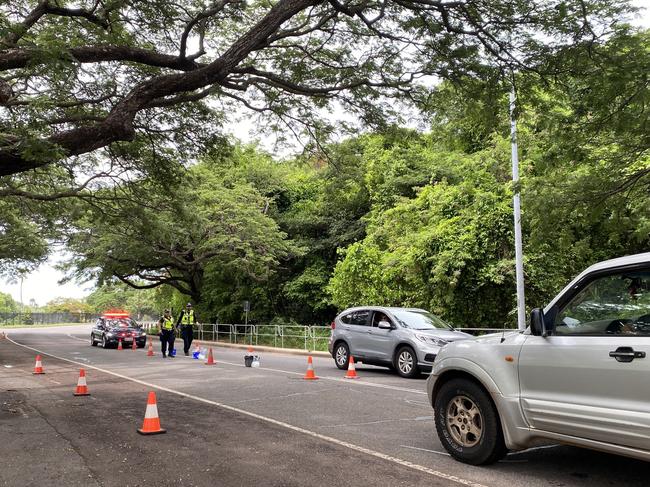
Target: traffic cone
(310,375)
(250,350)
(352,370)
(150,349)
(135,345)
(210,360)
(151,424)
(82,388)
(38,368)
(119,344)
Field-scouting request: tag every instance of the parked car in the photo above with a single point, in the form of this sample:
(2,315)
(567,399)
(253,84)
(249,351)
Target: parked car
(406,339)
(579,375)
(110,328)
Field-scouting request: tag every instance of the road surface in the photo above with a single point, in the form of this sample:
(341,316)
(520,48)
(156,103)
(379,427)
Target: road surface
(232,425)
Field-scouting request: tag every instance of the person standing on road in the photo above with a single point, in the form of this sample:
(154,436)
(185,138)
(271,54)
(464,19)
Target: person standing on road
(186,321)
(166,325)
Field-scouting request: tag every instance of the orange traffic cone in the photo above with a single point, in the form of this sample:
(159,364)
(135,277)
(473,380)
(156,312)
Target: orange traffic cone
(119,344)
(38,368)
(82,388)
(134,346)
(310,375)
(250,350)
(151,424)
(150,349)
(352,370)
(210,360)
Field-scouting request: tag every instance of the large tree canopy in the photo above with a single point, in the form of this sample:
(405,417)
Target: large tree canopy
(76,77)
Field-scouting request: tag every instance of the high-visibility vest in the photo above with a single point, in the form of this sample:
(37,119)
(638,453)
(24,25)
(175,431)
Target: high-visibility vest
(188,317)
(168,323)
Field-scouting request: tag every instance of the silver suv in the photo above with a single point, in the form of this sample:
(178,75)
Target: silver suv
(407,339)
(578,375)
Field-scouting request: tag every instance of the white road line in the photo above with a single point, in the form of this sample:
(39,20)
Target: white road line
(276,422)
(336,379)
(424,449)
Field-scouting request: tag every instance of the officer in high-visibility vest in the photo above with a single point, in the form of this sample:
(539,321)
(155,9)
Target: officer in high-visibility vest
(186,321)
(167,335)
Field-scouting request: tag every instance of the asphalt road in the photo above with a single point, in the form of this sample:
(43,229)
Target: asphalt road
(232,425)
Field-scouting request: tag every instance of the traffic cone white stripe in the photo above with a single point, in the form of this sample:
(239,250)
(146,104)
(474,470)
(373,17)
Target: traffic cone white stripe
(151,411)
(82,381)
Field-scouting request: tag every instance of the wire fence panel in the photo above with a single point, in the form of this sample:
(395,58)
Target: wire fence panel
(28,318)
(300,337)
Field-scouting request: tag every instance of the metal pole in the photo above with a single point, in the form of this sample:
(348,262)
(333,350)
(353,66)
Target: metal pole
(21,299)
(519,262)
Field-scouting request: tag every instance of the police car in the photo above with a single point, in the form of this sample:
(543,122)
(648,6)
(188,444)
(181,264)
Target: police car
(114,326)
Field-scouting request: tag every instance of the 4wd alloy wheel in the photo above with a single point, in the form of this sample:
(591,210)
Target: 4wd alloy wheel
(341,356)
(406,362)
(467,422)
(464,421)
(104,343)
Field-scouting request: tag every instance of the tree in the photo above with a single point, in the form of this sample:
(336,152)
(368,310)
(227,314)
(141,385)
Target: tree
(198,232)
(67,305)
(86,78)
(7,303)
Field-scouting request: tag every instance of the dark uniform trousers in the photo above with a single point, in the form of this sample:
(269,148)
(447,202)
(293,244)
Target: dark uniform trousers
(167,340)
(187,333)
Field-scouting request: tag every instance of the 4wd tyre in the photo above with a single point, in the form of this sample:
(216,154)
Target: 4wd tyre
(104,342)
(92,341)
(406,362)
(341,355)
(468,424)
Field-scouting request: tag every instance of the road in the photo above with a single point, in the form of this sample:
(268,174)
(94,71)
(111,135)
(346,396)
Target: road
(247,426)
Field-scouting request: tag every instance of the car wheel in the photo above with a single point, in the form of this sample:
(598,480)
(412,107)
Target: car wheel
(468,424)
(341,355)
(93,343)
(406,362)
(104,342)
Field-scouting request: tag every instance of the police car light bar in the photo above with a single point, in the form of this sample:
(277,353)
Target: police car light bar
(116,314)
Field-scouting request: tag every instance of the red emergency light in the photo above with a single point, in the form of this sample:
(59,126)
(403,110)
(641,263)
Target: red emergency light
(116,314)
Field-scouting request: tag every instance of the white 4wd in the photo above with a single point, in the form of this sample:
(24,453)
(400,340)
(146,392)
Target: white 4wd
(578,375)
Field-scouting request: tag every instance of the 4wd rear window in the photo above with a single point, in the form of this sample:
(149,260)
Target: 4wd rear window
(359,318)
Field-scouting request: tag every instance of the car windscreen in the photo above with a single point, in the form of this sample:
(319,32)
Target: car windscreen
(121,323)
(420,320)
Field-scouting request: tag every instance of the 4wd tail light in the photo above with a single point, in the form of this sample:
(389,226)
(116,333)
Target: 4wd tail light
(333,324)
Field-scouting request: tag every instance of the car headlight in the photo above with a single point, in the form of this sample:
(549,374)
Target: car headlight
(109,334)
(143,333)
(438,342)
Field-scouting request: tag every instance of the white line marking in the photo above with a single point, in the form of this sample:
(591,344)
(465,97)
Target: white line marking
(424,449)
(276,422)
(336,379)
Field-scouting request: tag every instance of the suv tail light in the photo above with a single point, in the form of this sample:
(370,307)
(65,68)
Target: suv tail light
(333,324)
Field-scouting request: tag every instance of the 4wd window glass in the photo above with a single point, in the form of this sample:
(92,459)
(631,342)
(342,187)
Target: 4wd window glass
(618,304)
(359,318)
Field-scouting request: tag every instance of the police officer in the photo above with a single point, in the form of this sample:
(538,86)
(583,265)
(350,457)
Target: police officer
(186,321)
(166,325)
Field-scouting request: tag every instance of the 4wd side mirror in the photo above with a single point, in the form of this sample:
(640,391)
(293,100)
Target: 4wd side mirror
(385,325)
(537,325)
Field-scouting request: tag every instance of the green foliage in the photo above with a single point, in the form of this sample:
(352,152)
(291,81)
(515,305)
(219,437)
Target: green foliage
(7,303)
(67,305)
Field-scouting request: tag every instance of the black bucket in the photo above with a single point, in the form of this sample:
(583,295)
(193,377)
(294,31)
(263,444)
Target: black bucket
(248,360)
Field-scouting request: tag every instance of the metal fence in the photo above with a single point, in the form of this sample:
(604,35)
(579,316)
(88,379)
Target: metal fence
(27,318)
(284,336)
(303,337)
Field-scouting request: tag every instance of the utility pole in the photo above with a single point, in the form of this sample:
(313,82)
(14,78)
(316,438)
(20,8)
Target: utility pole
(519,262)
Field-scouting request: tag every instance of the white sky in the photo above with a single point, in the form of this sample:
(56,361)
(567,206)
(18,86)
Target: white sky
(43,285)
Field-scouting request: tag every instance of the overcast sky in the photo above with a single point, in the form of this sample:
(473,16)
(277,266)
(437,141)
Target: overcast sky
(43,285)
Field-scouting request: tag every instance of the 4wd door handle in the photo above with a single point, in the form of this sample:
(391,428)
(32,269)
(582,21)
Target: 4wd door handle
(626,354)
